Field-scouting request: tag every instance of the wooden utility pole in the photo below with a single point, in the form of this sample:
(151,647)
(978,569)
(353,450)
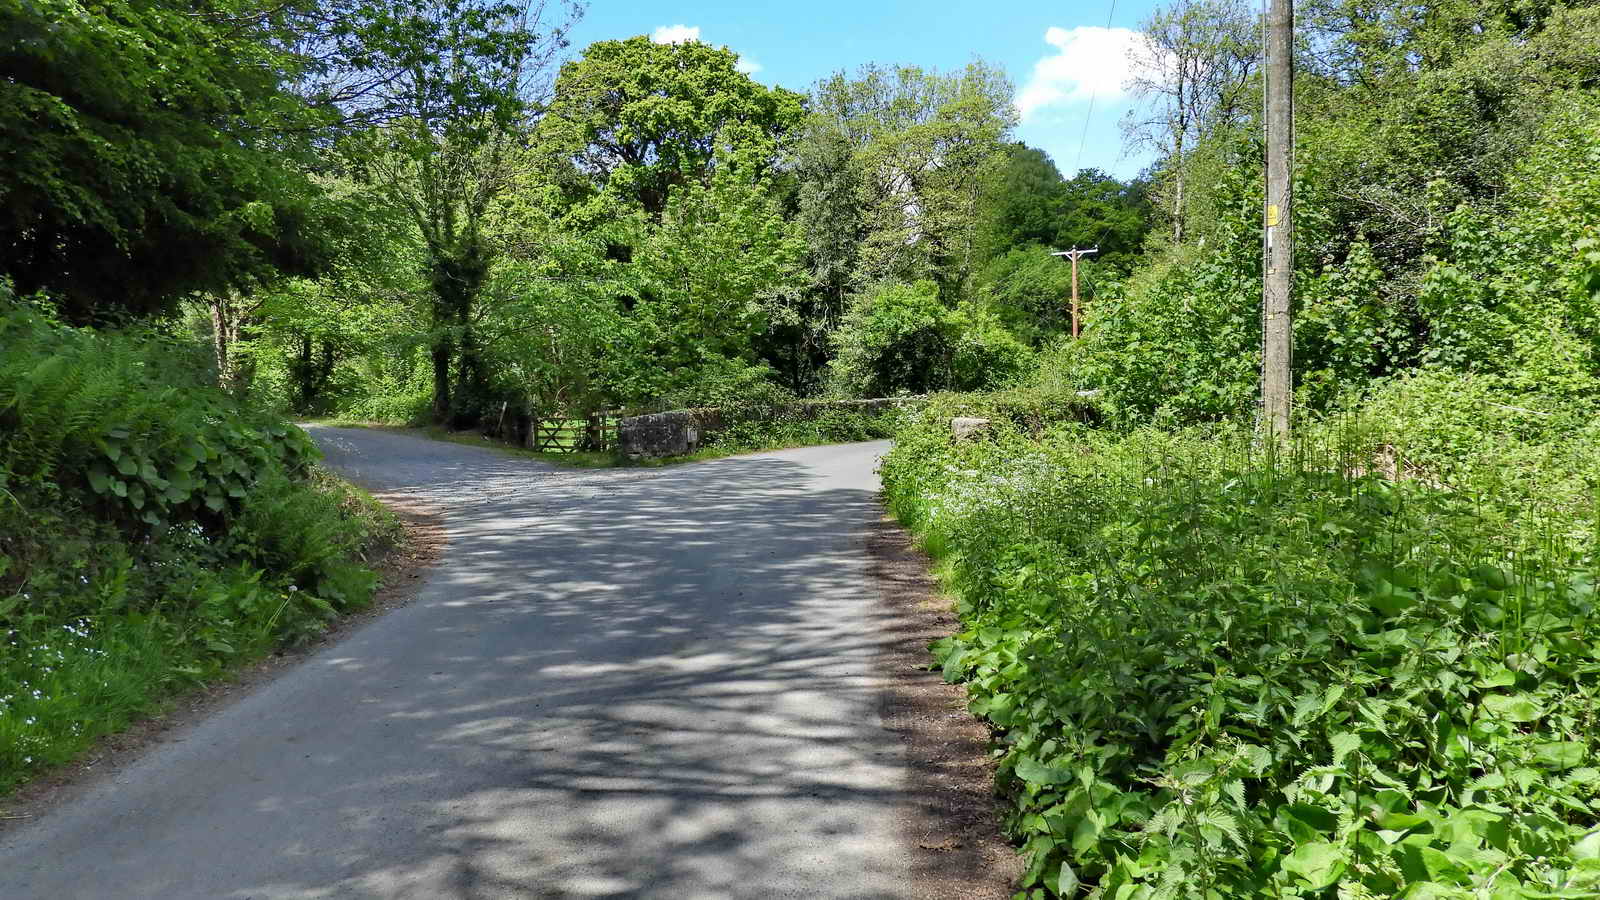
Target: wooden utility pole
(1277,356)
(1075,254)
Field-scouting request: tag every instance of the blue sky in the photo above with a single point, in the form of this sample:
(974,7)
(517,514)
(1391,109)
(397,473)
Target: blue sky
(1059,55)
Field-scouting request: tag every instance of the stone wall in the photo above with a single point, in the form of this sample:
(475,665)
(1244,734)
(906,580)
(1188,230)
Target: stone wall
(684,431)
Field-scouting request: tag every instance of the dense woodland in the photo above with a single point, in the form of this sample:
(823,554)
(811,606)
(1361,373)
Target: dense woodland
(433,210)
(438,209)
(1358,666)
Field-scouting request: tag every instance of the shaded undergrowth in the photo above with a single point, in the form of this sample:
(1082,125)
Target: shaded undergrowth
(154,533)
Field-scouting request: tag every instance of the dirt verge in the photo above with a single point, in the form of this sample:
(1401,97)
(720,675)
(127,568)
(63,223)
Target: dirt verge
(951,821)
(400,572)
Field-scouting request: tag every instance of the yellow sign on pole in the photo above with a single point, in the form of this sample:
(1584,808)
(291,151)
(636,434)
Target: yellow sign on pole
(1272,215)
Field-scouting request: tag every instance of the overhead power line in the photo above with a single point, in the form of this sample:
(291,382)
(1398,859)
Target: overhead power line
(1094,89)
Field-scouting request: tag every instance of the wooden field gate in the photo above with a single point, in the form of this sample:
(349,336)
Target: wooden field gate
(596,432)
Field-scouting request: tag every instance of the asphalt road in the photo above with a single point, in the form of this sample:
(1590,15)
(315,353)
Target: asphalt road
(619,683)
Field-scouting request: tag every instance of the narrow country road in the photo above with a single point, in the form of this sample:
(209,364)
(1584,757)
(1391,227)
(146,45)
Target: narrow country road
(616,683)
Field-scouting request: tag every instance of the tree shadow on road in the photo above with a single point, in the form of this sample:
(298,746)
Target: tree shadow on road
(618,684)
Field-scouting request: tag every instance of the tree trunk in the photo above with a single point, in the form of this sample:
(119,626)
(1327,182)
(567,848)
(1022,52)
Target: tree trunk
(219,337)
(1177,208)
(1180,165)
(441,353)
(229,324)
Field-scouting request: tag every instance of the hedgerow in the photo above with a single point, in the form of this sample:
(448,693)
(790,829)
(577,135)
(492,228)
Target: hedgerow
(1339,670)
(153,531)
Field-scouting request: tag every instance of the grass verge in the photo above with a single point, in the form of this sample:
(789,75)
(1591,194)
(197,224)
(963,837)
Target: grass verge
(65,685)
(156,532)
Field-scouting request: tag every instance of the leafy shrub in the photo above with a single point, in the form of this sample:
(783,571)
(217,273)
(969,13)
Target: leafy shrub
(1029,290)
(1533,451)
(1317,673)
(984,355)
(152,530)
(402,404)
(900,338)
(892,340)
(798,425)
(1516,295)
(725,383)
(1183,342)
(1030,411)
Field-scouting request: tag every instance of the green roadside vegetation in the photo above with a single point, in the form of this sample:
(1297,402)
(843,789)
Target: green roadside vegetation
(1365,664)
(1360,665)
(154,534)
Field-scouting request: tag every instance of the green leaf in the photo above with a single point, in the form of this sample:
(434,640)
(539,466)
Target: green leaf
(952,665)
(1444,868)
(1491,577)
(1318,864)
(1391,600)
(1259,757)
(1307,823)
(1344,744)
(1512,707)
(1559,755)
(99,479)
(1499,676)
(1034,772)
(1086,833)
(1067,883)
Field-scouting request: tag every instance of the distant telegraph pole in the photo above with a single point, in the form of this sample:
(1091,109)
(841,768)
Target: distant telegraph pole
(1075,254)
(1278,257)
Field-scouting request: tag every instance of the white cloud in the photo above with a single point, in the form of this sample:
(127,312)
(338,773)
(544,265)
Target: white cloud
(676,34)
(683,34)
(1089,62)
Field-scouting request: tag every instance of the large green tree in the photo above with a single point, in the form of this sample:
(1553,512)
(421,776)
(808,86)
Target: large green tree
(632,120)
(1028,203)
(153,148)
(665,158)
(1194,70)
(919,143)
(461,81)
(1025,202)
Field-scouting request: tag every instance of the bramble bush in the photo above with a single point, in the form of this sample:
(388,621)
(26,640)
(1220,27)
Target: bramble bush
(1363,667)
(153,530)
